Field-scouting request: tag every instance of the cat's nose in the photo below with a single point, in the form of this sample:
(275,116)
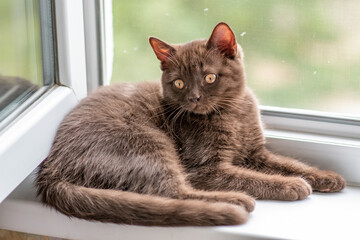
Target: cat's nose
(195,99)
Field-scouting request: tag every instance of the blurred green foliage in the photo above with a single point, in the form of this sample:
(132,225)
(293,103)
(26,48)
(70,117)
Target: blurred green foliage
(298,53)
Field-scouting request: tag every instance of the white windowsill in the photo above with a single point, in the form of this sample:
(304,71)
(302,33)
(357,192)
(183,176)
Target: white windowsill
(27,140)
(320,216)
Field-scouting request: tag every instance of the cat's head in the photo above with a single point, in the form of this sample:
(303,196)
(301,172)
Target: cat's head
(202,76)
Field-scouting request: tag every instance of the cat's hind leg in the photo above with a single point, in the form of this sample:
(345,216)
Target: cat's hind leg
(150,165)
(165,177)
(142,182)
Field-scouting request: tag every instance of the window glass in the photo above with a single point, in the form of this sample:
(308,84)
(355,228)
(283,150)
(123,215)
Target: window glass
(298,54)
(21,72)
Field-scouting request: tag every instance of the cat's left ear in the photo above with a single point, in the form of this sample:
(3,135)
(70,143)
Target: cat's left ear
(223,39)
(162,50)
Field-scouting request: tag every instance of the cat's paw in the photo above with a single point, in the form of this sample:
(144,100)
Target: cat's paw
(242,200)
(326,181)
(295,188)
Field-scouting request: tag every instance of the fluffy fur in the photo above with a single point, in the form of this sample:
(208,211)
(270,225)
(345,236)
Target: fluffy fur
(155,154)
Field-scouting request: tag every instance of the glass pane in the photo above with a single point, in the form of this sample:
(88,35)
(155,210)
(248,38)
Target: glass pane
(21,72)
(298,54)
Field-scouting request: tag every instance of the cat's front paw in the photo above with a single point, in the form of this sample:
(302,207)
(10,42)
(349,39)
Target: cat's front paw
(326,181)
(295,188)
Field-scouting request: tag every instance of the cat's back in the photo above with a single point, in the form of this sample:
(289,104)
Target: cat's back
(118,102)
(105,119)
(102,125)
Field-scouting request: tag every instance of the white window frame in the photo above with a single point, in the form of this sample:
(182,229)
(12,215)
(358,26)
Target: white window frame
(99,44)
(26,141)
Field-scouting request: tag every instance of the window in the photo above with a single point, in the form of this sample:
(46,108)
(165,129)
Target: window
(43,42)
(25,49)
(298,54)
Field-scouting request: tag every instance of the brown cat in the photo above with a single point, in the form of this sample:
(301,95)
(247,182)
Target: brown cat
(187,152)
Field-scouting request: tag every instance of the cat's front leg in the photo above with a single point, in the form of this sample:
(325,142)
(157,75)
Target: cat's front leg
(320,180)
(227,177)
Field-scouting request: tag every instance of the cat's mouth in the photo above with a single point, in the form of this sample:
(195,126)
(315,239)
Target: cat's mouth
(198,108)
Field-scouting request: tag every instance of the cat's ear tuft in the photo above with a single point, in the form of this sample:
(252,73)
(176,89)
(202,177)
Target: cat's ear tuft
(162,50)
(223,39)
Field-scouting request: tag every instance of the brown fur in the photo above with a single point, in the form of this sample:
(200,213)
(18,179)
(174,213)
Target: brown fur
(148,154)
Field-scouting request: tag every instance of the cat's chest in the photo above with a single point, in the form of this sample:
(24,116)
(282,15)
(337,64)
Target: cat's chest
(211,139)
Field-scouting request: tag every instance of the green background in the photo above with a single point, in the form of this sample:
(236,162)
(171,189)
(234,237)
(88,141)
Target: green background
(299,54)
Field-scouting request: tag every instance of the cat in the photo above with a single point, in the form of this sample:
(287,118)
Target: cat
(187,151)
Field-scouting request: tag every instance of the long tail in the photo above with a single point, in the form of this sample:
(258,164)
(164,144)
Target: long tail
(132,208)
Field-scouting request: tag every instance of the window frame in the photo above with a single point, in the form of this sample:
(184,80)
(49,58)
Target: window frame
(27,139)
(99,42)
(48,64)
(322,123)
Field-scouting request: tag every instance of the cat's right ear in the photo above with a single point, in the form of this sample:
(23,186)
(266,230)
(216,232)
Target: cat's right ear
(162,50)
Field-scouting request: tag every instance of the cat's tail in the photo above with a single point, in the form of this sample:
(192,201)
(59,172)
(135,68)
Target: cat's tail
(132,208)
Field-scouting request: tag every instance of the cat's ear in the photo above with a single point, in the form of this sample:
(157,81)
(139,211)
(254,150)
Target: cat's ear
(223,39)
(162,50)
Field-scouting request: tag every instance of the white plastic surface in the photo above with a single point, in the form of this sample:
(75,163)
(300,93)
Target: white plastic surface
(71,45)
(320,216)
(27,141)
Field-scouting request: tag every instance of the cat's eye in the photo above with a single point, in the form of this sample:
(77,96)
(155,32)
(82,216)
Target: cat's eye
(179,84)
(210,78)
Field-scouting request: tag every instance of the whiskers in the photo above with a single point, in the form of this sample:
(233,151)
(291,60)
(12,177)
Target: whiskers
(161,111)
(215,110)
(172,116)
(230,103)
(171,121)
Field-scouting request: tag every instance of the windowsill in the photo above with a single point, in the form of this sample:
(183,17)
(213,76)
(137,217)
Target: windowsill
(26,141)
(320,216)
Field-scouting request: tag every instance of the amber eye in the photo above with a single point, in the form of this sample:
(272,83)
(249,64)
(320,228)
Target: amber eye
(179,84)
(210,78)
